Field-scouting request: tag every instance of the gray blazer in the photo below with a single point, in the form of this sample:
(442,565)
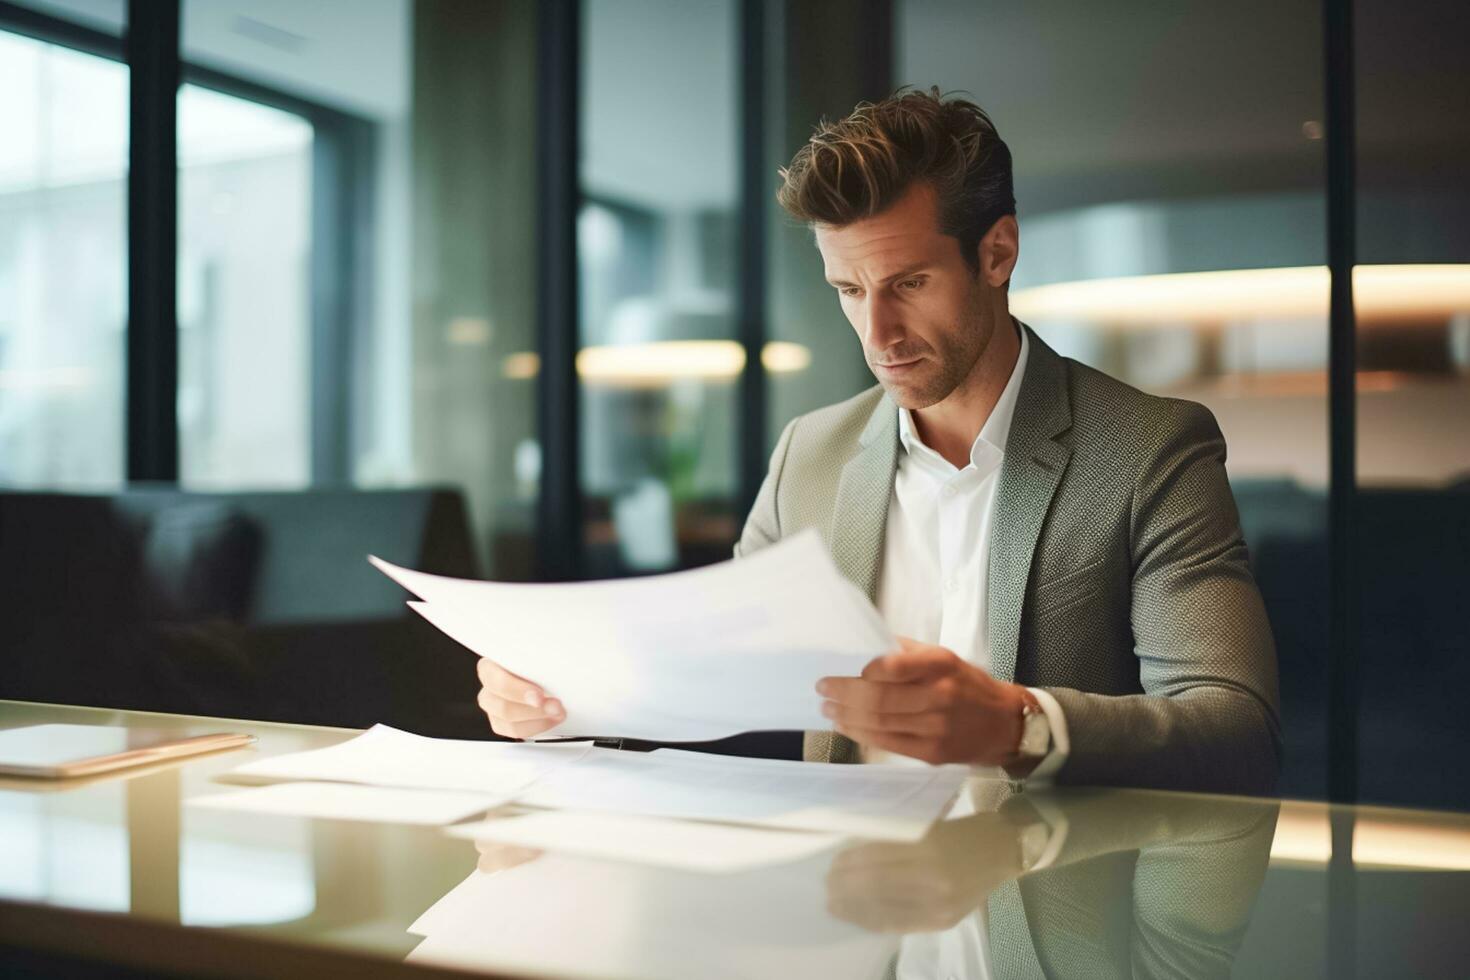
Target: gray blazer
(1119,577)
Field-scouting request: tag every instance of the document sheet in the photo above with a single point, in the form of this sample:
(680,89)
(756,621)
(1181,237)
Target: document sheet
(879,801)
(384,756)
(687,656)
(686,844)
(349,801)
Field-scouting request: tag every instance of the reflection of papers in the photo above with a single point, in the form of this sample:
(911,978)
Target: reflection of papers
(562,915)
(703,654)
(710,847)
(891,802)
(383,756)
(347,801)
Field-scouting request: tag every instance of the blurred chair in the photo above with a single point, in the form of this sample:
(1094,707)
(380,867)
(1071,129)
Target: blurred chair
(256,605)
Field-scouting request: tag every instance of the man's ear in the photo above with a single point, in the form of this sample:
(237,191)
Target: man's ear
(998,251)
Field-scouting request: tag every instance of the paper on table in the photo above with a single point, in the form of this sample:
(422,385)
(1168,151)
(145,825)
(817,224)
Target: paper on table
(695,655)
(696,846)
(384,756)
(348,801)
(888,802)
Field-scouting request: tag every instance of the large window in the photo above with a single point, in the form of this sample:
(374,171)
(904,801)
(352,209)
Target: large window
(658,362)
(63,169)
(244,292)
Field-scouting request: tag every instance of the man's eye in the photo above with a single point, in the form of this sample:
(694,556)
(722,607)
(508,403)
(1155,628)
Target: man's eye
(849,291)
(911,284)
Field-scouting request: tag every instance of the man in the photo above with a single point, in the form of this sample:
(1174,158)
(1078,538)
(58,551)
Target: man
(1060,552)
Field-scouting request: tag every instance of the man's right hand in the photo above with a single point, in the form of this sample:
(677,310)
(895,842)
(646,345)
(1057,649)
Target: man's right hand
(516,707)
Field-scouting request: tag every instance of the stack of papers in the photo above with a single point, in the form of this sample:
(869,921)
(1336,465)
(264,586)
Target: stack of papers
(384,756)
(892,802)
(685,844)
(875,801)
(689,656)
(346,801)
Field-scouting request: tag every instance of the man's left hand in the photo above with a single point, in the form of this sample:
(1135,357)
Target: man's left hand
(925,702)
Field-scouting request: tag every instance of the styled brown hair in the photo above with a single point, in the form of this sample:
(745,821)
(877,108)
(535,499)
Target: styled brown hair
(857,167)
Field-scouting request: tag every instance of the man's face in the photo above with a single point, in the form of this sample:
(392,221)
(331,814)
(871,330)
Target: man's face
(923,317)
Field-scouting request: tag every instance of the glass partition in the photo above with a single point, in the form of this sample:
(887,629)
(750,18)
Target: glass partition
(1412,297)
(658,362)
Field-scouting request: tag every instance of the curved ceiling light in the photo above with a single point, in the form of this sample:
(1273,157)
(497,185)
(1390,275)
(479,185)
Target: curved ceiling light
(663,362)
(1380,292)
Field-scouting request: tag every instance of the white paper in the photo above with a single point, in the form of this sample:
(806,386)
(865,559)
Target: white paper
(687,844)
(877,801)
(384,756)
(889,802)
(558,915)
(689,656)
(348,801)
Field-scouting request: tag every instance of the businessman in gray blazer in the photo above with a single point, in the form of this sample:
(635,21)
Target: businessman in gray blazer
(1060,552)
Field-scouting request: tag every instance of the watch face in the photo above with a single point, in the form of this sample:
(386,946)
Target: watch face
(1035,735)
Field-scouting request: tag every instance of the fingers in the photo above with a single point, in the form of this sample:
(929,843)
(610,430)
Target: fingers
(883,696)
(912,663)
(516,707)
(504,684)
(519,720)
(497,706)
(928,723)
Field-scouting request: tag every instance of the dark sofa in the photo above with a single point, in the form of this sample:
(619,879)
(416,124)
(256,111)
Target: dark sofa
(255,605)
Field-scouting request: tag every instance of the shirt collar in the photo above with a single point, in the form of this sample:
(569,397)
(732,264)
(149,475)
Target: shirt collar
(997,427)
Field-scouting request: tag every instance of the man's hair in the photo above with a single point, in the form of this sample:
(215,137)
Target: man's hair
(859,166)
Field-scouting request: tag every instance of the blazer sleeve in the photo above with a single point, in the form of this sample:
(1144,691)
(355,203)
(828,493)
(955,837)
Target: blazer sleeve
(1208,718)
(763,525)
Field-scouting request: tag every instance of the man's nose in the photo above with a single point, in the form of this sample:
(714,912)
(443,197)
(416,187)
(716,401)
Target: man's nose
(882,327)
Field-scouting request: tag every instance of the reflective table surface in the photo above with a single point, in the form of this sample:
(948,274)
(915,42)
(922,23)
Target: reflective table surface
(1089,883)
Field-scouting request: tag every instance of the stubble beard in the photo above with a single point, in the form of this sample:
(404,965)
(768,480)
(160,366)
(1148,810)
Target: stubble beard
(947,368)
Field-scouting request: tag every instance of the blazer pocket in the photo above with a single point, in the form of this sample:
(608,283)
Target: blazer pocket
(1067,588)
(1077,599)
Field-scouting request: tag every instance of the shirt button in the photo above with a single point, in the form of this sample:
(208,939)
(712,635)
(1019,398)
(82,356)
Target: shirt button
(949,491)
(953,584)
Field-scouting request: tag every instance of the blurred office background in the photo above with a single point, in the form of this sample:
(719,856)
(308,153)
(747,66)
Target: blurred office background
(499,287)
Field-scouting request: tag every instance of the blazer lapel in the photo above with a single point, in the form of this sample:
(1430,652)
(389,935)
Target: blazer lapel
(859,519)
(860,513)
(1033,467)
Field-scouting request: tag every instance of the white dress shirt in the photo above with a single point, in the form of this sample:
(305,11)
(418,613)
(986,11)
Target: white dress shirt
(936,552)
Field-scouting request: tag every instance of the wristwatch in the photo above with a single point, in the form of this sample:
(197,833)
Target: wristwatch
(1035,730)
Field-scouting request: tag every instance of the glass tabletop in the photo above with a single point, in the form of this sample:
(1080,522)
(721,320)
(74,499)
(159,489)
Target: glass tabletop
(1042,883)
